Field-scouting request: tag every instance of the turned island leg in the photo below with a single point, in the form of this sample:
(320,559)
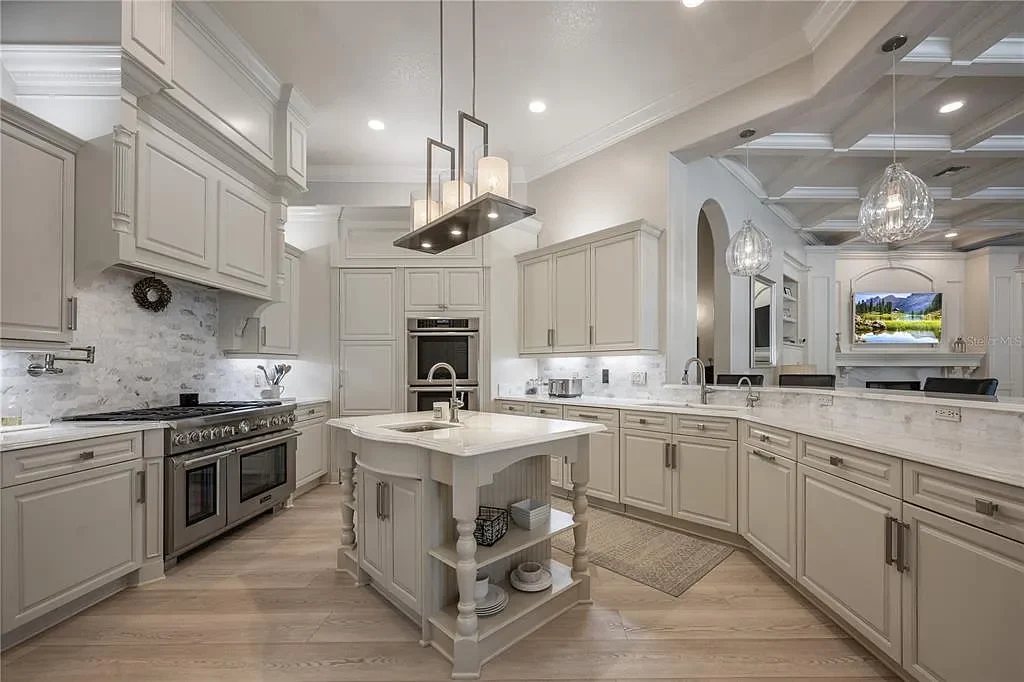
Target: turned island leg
(346,552)
(465,496)
(580,477)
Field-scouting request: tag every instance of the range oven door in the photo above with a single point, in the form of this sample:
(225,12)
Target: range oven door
(196,506)
(261,474)
(422,399)
(460,349)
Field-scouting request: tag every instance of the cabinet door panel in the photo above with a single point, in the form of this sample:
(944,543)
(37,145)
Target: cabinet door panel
(645,480)
(558,472)
(93,518)
(963,602)
(368,377)
(368,304)
(604,466)
(403,522)
(767,506)
(372,539)
(424,289)
(37,238)
(279,322)
(571,308)
(464,289)
(704,480)
(614,297)
(243,226)
(535,306)
(309,454)
(146,29)
(841,554)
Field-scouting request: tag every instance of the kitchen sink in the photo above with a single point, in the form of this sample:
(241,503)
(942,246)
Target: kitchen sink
(694,406)
(420,427)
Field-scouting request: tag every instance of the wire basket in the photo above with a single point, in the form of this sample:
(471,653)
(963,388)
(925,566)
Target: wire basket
(491,525)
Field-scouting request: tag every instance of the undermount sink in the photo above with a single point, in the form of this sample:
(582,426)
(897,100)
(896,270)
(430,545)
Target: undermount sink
(692,406)
(420,427)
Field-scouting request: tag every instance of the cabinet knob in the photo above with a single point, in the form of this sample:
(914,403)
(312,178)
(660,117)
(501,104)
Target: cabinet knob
(986,507)
(700,427)
(88,454)
(764,438)
(835,460)
(642,420)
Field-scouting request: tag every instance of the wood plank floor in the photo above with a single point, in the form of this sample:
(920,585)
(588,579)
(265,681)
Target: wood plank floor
(265,604)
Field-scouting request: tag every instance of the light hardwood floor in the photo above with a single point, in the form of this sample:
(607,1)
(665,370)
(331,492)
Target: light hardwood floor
(265,604)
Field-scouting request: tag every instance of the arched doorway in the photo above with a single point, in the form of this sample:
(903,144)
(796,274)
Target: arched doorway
(713,288)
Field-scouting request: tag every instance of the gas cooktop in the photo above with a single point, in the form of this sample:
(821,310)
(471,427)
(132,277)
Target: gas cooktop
(172,412)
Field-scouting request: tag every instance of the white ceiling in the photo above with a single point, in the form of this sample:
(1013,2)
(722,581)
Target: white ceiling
(605,70)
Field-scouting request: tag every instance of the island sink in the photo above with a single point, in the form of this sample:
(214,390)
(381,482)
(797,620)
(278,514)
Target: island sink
(420,427)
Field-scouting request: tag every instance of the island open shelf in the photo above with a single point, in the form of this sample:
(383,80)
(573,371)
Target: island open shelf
(516,540)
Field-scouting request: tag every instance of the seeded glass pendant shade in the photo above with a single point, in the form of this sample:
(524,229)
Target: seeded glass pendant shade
(749,252)
(898,207)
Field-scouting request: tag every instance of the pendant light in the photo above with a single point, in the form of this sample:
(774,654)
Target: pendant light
(456,216)
(898,206)
(750,250)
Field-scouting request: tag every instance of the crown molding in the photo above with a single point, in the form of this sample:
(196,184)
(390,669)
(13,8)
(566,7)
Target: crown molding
(93,70)
(369,174)
(824,19)
(318,213)
(16,116)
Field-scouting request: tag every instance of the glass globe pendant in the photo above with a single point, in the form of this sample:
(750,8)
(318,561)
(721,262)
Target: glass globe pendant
(749,252)
(897,207)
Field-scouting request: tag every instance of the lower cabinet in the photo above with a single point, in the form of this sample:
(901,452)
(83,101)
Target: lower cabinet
(767,505)
(646,480)
(310,452)
(704,481)
(844,546)
(66,536)
(604,466)
(390,537)
(963,601)
(369,371)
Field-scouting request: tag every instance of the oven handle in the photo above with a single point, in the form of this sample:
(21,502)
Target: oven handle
(441,388)
(263,444)
(183,460)
(418,334)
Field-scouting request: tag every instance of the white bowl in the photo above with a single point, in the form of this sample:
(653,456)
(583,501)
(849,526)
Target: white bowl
(529,571)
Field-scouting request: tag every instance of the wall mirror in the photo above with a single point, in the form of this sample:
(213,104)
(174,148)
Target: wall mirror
(762,322)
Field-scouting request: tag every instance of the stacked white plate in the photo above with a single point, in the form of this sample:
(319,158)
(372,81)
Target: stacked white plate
(494,603)
(530,514)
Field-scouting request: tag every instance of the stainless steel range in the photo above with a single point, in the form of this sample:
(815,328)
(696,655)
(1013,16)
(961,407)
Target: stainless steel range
(226,462)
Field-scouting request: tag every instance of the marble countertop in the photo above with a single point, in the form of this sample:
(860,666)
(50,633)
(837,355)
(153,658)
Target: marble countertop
(479,433)
(301,402)
(61,432)
(991,459)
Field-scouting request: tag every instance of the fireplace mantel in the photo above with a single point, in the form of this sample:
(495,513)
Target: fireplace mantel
(955,364)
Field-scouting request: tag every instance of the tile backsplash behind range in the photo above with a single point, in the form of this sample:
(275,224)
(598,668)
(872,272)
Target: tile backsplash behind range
(142,358)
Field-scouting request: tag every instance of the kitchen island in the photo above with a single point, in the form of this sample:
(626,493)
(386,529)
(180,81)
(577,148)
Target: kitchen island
(412,489)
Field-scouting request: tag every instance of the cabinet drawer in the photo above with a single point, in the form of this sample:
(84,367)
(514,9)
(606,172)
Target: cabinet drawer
(870,469)
(770,439)
(311,412)
(609,418)
(511,408)
(993,506)
(546,411)
(704,427)
(648,421)
(47,461)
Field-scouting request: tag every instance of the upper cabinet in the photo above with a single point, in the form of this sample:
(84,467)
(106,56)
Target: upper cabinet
(146,30)
(276,330)
(600,293)
(37,238)
(434,290)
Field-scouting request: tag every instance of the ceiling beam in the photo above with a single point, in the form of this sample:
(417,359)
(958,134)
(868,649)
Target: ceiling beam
(976,182)
(801,169)
(977,239)
(876,112)
(980,129)
(986,212)
(880,145)
(822,213)
(997,21)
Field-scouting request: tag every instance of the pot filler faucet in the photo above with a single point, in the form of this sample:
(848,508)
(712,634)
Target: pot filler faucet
(704,390)
(752,398)
(455,403)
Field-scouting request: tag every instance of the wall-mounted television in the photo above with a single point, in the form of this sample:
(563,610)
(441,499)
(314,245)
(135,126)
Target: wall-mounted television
(913,318)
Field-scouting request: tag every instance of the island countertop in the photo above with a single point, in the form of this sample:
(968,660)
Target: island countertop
(478,433)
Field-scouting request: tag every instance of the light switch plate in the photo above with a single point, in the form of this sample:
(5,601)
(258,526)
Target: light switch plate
(947,414)
(638,378)
(257,379)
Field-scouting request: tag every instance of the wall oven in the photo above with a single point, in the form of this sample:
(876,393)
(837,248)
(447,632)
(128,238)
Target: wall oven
(452,340)
(422,399)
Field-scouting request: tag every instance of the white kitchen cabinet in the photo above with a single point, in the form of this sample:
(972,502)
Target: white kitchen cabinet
(311,451)
(963,601)
(244,234)
(368,303)
(844,542)
(559,479)
(604,466)
(433,290)
(704,481)
(369,373)
(767,505)
(464,289)
(372,533)
(93,517)
(596,293)
(146,35)
(390,518)
(37,232)
(279,323)
(535,325)
(424,289)
(646,474)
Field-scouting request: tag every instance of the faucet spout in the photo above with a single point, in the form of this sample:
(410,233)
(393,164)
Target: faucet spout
(702,372)
(752,398)
(454,403)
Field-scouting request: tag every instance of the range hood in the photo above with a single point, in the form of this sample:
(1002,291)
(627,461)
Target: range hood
(485,214)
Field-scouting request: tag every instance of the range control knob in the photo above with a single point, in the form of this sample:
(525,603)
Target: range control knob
(243,426)
(226,431)
(179,439)
(193,436)
(291,417)
(264,423)
(207,434)
(276,421)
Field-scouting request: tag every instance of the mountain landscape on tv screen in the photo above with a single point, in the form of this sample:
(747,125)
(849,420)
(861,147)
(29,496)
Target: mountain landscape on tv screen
(911,318)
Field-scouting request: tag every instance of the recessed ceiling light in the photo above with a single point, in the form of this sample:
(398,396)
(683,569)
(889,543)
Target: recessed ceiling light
(950,107)
(693,3)
(425,245)
(376,124)
(492,215)
(950,235)
(538,107)
(455,232)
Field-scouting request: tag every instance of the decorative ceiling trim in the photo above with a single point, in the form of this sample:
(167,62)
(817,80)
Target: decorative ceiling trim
(880,144)
(398,175)
(318,213)
(824,20)
(64,69)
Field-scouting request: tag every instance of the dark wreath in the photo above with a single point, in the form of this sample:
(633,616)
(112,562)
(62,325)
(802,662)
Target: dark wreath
(151,294)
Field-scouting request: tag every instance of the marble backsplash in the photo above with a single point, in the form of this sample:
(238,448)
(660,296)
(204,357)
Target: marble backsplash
(619,369)
(142,358)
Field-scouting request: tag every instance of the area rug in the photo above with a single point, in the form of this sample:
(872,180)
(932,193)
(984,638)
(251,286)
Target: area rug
(667,560)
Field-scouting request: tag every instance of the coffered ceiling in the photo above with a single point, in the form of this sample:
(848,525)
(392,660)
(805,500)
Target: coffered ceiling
(815,170)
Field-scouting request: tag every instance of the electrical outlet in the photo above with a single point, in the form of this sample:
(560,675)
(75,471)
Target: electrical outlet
(825,401)
(604,376)
(948,414)
(638,378)
(257,380)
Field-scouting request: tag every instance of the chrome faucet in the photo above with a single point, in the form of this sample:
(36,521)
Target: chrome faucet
(455,403)
(752,398)
(704,390)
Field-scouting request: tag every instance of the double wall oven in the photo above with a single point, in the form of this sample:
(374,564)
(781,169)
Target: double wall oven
(452,340)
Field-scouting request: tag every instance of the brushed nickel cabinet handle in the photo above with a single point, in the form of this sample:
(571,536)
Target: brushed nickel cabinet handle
(73,313)
(763,455)
(387,501)
(986,507)
(380,496)
(889,527)
(141,479)
(88,454)
(764,438)
(700,427)
(674,451)
(263,335)
(587,416)
(591,335)
(642,420)
(835,460)
(902,546)
(668,461)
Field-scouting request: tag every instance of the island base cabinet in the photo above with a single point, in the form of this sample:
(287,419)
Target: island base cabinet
(704,482)
(841,551)
(390,517)
(963,602)
(767,506)
(646,480)
(66,536)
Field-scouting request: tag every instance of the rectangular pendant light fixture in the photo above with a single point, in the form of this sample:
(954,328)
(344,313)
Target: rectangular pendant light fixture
(484,214)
